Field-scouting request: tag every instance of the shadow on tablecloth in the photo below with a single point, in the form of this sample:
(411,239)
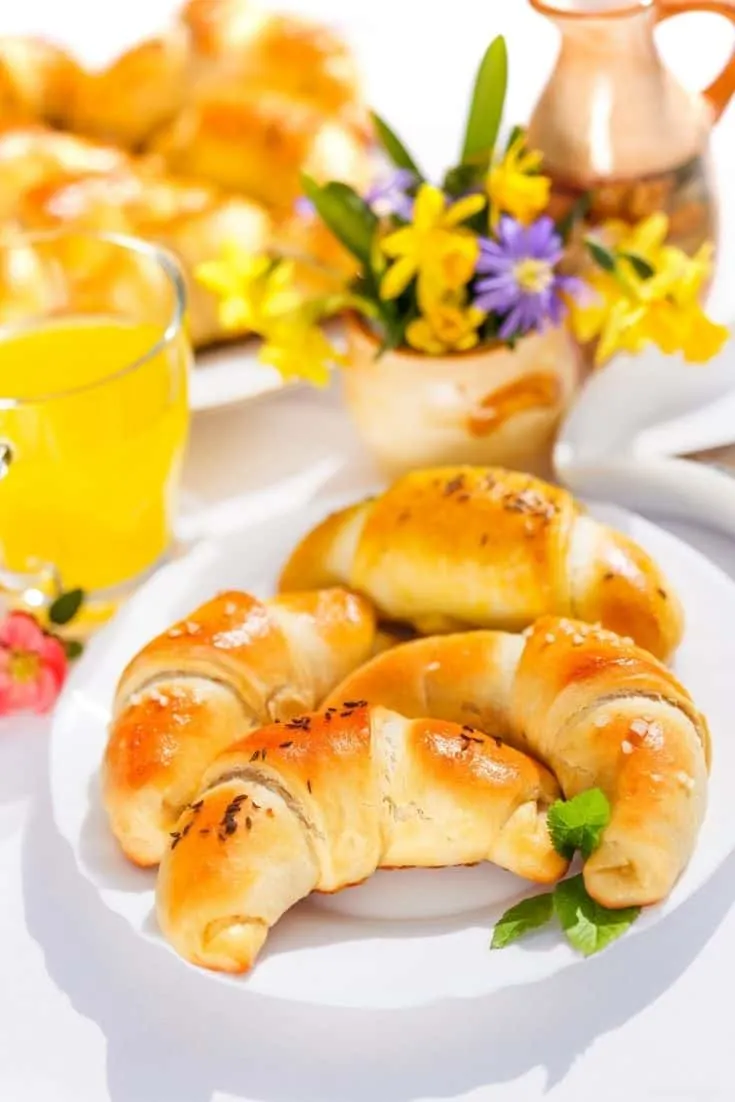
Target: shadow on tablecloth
(174,1036)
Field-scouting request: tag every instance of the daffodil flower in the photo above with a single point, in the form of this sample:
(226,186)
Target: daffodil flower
(435,248)
(298,349)
(628,311)
(447,325)
(250,288)
(515,186)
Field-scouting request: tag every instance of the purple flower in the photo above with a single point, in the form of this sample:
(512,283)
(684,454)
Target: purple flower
(522,284)
(389,196)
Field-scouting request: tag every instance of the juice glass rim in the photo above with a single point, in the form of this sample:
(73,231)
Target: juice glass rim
(127,242)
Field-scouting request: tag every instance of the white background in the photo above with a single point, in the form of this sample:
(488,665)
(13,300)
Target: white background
(89,1015)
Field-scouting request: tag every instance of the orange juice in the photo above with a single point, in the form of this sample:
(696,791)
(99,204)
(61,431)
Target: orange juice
(95,412)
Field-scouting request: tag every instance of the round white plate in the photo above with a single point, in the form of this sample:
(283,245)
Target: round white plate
(404,938)
(228,374)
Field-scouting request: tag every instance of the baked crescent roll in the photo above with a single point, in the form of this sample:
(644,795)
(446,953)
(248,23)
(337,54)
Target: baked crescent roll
(193,221)
(599,711)
(231,666)
(37,79)
(322,801)
(138,93)
(236,45)
(32,155)
(259,142)
(459,547)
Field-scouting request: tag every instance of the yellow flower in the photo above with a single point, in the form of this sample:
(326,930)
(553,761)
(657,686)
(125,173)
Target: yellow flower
(298,349)
(446,326)
(514,185)
(250,288)
(434,247)
(629,311)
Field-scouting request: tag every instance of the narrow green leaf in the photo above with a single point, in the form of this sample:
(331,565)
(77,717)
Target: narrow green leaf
(394,147)
(66,606)
(640,266)
(600,254)
(73,648)
(579,209)
(527,915)
(486,107)
(515,134)
(345,214)
(588,926)
(578,824)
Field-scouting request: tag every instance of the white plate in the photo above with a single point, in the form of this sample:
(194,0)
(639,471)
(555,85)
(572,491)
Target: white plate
(228,374)
(404,938)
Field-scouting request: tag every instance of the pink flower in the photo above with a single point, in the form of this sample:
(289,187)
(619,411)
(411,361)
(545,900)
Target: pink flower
(32,666)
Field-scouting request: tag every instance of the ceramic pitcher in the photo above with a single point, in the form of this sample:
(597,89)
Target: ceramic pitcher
(614,121)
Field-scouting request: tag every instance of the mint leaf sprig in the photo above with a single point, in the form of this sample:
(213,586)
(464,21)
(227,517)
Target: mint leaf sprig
(576,824)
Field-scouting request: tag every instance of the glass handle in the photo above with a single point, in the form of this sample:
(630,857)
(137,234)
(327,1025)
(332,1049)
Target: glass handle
(720,91)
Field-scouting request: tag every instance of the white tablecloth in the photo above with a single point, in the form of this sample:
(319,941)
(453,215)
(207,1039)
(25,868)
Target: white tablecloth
(89,1015)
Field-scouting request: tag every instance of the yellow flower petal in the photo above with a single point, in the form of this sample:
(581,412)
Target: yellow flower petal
(463,209)
(428,207)
(419,335)
(399,242)
(397,278)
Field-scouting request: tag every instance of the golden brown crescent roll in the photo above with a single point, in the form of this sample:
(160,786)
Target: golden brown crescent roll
(37,79)
(258,142)
(140,91)
(596,709)
(321,802)
(192,220)
(459,547)
(32,155)
(231,666)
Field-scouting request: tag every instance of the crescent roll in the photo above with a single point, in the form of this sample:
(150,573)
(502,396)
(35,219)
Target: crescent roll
(259,142)
(459,547)
(597,710)
(231,666)
(322,801)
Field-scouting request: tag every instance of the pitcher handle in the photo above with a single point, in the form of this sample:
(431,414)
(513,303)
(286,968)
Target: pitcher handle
(720,91)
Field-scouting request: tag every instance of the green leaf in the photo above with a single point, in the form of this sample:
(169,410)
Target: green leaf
(486,107)
(600,254)
(579,209)
(394,147)
(462,178)
(640,266)
(66,606)
(527,915)
(345,213)
(577,824)
(73,648)
(588,926)
(515,134)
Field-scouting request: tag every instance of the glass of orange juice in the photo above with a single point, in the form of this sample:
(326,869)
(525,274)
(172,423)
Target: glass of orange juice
(94,360)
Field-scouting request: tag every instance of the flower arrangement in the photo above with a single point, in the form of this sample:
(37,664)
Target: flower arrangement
(472,261)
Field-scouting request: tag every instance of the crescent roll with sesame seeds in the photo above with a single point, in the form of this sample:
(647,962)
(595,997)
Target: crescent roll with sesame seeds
(452,548)
(231,666)
(594,708)
(320,802)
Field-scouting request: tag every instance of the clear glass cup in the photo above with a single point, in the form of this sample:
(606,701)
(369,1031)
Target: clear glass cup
(94,361)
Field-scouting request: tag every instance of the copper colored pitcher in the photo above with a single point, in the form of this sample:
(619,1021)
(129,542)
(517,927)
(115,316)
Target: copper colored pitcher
(614,121)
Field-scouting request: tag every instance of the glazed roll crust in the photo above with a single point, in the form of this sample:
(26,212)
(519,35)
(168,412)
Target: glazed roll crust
(231,666)
(459,547)
(322,801)
(596,709)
